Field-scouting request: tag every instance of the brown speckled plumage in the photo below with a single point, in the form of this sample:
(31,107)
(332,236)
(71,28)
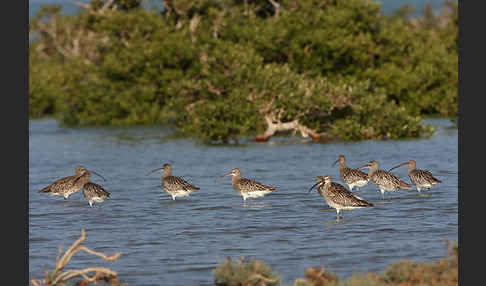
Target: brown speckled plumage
(65,187)
(248,188)
(94,193)
(173,185)
(351,177)
(420,178)
(385,181)
(337,196)
(91,191)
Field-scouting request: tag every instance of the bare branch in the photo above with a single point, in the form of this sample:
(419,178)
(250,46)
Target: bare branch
(193,26)
(101,273)
(82,5)
(276,5)
(274,125)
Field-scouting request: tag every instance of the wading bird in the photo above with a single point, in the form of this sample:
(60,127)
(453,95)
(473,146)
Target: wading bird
(173,185)
(420,178)
(92,191)
(337,196)
(248,188)
(351,177)
(385,181)
(66,186)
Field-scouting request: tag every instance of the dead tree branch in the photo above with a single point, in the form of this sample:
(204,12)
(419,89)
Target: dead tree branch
(275,5)
(274,125)
(58,276)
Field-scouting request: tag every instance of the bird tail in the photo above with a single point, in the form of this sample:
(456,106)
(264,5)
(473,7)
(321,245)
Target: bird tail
(363,203)
(193,188)
(405,186)
(46,190)
(366,204)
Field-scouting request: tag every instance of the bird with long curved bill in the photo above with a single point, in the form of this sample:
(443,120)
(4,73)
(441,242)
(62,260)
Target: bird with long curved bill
(386,181)
(66,186)
(92,191)
(173,185)
(351,177)
(248,188)
(420,178)
(337,196)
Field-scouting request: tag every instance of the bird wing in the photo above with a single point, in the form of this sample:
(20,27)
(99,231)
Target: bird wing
(253,186)
(424,176)
(339,194)
(386,178)
(59,185)
(181,183)
(94,189)
(351,175)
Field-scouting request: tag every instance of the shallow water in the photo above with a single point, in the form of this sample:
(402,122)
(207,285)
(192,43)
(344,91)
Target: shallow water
(166,242)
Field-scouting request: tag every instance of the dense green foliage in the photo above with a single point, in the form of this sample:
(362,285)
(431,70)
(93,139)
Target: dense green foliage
(218,70)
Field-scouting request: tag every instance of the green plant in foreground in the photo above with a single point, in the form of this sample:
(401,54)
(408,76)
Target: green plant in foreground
(253,273)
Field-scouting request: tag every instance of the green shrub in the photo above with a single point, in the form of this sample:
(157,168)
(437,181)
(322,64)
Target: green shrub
(252,273)
(217,70)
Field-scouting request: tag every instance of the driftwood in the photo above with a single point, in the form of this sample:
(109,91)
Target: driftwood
(276,6)
(60,277)
(274,125)
(101,10)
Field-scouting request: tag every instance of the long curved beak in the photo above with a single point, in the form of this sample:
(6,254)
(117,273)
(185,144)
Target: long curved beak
(229,174)
(97,174)
(75,180)
(335,162)
(364,166)
(154,171)
(401,165)
(313,186)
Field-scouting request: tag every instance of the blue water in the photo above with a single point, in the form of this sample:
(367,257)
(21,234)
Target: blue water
(69,8)
(166,242)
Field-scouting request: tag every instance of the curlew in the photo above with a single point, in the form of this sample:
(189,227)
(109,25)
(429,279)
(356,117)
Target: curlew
(337,196)
(66,186)
(248,188)
(386,181)
(351,177)
(420,178)
(91,191)
(173,185)
(94,193)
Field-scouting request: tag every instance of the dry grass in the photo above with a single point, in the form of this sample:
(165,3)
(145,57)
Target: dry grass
(58,277)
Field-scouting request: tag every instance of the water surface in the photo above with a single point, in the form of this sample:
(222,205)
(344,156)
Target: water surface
(166,242)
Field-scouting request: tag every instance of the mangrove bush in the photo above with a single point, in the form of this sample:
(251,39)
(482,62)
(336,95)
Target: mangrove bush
(221,70)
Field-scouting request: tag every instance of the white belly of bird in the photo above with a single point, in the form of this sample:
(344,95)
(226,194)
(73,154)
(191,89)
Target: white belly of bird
(339,206)
(256,194)
(97,199)
(388,188)
(361,183)
(181,193)
(425,186)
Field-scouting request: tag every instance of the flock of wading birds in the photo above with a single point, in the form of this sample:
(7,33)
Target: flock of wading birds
(335,195)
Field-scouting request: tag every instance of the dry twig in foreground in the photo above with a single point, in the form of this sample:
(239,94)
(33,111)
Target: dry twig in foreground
(60,277)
